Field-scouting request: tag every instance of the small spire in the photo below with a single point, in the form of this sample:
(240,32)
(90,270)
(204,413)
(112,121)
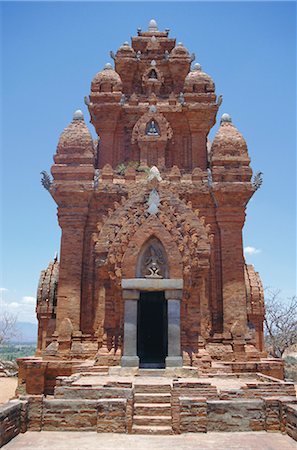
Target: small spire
(226,118)
(197,67)
(153,25)
(126,44)
(78,115)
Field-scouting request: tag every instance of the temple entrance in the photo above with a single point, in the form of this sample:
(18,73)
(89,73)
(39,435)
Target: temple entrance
(152,330)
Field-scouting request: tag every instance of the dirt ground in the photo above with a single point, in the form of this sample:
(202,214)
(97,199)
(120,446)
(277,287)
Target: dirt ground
(7,388)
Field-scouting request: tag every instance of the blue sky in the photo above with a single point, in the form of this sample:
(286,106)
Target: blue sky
(50,53)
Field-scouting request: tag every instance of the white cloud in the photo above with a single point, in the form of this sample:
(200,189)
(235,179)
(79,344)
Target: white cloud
(251,250)
(2,289)
(13,305)
(29,300)
(24,309)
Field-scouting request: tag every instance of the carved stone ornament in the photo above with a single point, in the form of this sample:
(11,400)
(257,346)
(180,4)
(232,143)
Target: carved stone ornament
(153,202)
(154,173)
(153,261)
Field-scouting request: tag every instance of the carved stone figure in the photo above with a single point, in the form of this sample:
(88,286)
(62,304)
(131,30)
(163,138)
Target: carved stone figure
(152,129)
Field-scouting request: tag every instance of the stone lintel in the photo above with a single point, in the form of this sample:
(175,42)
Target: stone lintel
(131,294)
(173,294)
(152,284)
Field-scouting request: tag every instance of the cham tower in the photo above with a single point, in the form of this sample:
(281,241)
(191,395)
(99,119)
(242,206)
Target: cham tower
(151,271)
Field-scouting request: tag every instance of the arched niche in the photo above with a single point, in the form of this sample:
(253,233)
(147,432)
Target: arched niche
(152,128)
(152,260)
(152,228)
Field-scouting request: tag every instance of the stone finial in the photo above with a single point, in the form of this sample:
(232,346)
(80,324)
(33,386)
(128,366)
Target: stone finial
(107,173)
(226,118)
(133,100)
(175,174)
(172,99)
(152,25)
(78,115)
(197,67)
(108,66)
(130,174)
(126,44)
(197,174)
(154,173)
(153,63)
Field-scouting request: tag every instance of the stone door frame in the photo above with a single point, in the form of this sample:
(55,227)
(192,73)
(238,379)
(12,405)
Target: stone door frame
(173,288)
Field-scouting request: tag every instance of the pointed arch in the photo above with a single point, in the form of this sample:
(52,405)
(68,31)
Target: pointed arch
(152,229)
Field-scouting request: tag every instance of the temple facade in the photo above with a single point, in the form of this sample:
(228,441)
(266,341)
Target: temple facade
(151,271)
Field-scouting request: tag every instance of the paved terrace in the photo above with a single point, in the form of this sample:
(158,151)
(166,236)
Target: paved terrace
(55,440)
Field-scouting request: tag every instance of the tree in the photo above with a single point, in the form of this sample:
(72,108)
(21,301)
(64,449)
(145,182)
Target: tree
(8,328)
(280,323)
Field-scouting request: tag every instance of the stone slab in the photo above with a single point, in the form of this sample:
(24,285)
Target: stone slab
(145,284)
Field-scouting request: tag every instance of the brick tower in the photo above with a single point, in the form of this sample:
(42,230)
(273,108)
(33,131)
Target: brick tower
(151,271)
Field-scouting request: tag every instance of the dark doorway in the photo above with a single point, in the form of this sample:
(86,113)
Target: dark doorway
(152,328)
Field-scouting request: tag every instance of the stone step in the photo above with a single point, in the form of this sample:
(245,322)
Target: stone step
(152,397)
(271,394)
(152,420)
(152,409)
(152,388)
(151,429)
(151,372)
(91,369)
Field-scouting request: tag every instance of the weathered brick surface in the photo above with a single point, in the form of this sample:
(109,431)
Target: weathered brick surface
(291,425)
(35,412)
(189,390)
(193,415)
(13,420)
(92,393)
(235,415)
(273,414)
(112,416)
(69,415)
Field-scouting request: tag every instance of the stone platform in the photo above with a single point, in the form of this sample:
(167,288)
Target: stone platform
(155,402)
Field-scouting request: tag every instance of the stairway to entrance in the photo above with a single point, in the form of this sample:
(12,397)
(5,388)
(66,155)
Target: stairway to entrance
(152,409)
